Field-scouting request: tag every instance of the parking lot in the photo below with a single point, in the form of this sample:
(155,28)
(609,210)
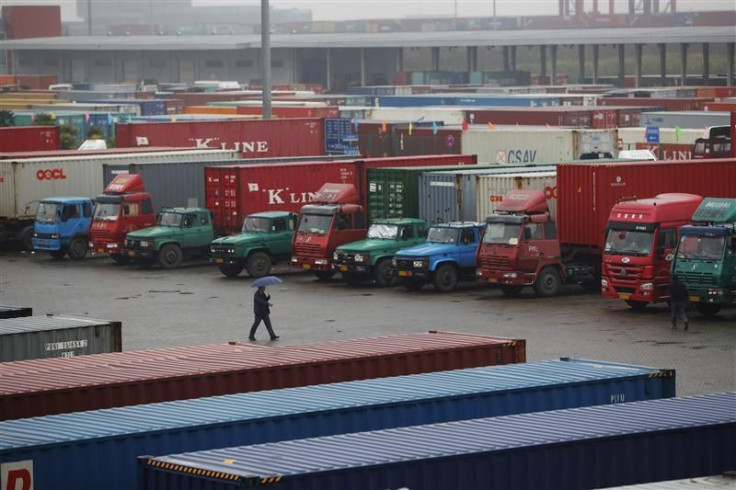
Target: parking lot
(197,305)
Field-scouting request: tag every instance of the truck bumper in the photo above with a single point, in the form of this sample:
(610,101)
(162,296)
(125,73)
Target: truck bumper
(312,264)
(412,273)
(351,268)
(112,248)
(643,292)
(713,296)
(139,254)
(234,261)
(46,243)
(511,278)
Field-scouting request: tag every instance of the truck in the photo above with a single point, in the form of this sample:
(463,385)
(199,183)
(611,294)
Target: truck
(715,143)
(62,226)
(125,206)
(264,240)
(371,258)
(705,258)
(179,232)
(334,217)
(640,242)
(447,256)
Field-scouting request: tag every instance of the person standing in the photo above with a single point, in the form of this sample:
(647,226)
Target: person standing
(678,302)
(262,311)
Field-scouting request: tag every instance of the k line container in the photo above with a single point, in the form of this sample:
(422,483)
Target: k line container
(29,138)
(586,193)
(89,447)
(7,311)
(41,337)
(578,448)
(104,382)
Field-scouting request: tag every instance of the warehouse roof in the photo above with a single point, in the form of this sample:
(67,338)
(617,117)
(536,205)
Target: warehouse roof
(721,34)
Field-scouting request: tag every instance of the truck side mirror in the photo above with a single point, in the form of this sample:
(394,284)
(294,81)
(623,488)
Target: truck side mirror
(668,254)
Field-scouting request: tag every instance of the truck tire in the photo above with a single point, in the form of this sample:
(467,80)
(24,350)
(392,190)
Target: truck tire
(384,273)
(707,309)
(258,264)
(637,305)
(78,248)
(511,290)
(24,237)
(230,270)
(352,279)
(57,254)
(170,256)
(324,275)
(445,278)
(548,282)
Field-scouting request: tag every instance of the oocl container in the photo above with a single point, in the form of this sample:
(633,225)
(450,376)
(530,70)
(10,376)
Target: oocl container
(7,311)
(39,337)
(577,448)
(70,385)
(91,446)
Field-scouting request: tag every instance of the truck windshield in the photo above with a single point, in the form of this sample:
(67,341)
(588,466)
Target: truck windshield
(383,231)
(169,219)
(443,235)
(502,233)
(106,211)
(627,242)
(48,212)
(701,247)
(256,224)
(318,224)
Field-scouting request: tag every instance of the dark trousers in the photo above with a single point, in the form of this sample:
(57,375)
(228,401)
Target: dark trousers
(266,321)
(678,309)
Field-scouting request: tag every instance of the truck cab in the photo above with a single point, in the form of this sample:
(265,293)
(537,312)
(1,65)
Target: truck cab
(62,226)
(125,206)
(179,233)
(447,256)
(370,259)
(640,241)
(332,219)
(705,258)
(265,240)
(715,143)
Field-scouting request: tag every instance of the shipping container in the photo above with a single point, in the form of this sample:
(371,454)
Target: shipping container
(35,81)
(668,151)
(685,119)
(40,337)
(148,107)
(443,114)
(29,138)
(586,193)
(668,103)
(91,446)
(254,138)
(85,108)
(575,116)
(720,106)
(293,112)
(429,141)
(233,192)
(491,189)
(725,481)
(29,390)
(24,155)
(577,448)
(208,109)
(629,138)
(7,311)
(29,21)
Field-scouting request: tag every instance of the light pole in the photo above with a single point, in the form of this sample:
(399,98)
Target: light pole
(265,60)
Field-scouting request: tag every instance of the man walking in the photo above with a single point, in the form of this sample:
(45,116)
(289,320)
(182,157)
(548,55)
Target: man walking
(262,311)
(678,302)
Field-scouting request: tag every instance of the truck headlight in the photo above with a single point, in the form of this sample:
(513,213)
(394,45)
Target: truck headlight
(55,236)
(393,262)
(293,260)
(144,244)
(334,256)
(112,245)
(604,283)
(715,291)
(321,261)
(509,275)
(647,286)
(419,264)
(35,235)
(361,258)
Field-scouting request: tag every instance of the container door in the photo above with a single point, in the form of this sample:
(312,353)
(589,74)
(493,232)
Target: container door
(186,71)
(79,70)
(131,70)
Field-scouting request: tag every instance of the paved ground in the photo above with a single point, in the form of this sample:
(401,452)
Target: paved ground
(197,305)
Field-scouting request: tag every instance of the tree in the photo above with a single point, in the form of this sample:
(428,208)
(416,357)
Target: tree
(43,119)
(95,133)
(67,134)
(7,118)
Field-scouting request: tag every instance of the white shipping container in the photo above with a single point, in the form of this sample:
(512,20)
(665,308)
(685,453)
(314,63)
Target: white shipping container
(448,115)
(23,183)
(491,189)
(132,109)
(629,137)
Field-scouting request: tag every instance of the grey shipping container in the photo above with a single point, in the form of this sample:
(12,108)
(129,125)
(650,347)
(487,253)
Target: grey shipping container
(725,481)
(7,311)
(446,196)
(685,119)
(571,449)
(39,337)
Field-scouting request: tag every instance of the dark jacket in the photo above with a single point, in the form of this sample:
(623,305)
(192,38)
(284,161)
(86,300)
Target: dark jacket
(260,303)
(678,292)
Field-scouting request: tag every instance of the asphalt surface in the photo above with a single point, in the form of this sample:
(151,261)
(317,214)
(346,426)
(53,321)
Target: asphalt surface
(196,305)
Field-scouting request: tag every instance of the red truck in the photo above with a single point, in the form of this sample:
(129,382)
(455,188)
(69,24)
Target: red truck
(525,246)
(125,206)
(333,218)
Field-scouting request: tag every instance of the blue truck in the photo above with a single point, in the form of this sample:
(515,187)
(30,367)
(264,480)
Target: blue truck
(447,257)
(62,226)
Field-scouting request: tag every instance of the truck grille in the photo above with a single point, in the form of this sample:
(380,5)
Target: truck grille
(307,250)
(43,235)
(101,235)
(345,257)
(220,251)
(625,274)
(702,278)
(135,245)
(496,263)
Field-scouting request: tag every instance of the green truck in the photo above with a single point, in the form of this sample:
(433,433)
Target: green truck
(179,233)
(370,258)
(705,259)
(265,240)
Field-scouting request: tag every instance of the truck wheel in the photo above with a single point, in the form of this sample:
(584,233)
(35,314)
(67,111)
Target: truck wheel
(170,256)
(445,278)
(78,249)
(511,290)
(352,279)
(324,275)
(57,254)
(230,270)
(707,309)
(548,282)
(637,305)
(25,238)
(120,259)
(258,264)
(384,273)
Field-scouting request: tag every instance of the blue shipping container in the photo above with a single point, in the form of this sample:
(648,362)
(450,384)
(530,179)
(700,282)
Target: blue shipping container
(578,448)
(149,107)
(97,449)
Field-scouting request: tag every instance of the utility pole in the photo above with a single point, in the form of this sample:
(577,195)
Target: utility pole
(266,60)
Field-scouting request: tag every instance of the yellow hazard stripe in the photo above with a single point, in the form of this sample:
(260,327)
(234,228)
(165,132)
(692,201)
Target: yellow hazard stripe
(664,373)
(193,471)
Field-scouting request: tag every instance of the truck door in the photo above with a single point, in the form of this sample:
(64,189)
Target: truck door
(467,247)
(281,231)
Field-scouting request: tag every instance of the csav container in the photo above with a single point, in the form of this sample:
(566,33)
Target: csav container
(577,448)
(29,138)
(90,446)
(70,385)
(40,337)
(7,311)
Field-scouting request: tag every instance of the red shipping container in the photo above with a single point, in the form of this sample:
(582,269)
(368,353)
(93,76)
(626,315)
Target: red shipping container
(668,151)
(235,191)
(63,385)
(586,193)
(28,21)
(423,141)
(292,112)
(669,104)
(575,116)
(204,98)
(40,82)
(721,106)
(29,138)
(255,138)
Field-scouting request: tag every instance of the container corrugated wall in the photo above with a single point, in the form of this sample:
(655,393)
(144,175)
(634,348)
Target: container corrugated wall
(8,311)
(726,481)
(105,381)
(91,446)
(491,190)
(579,448)
(529,144)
